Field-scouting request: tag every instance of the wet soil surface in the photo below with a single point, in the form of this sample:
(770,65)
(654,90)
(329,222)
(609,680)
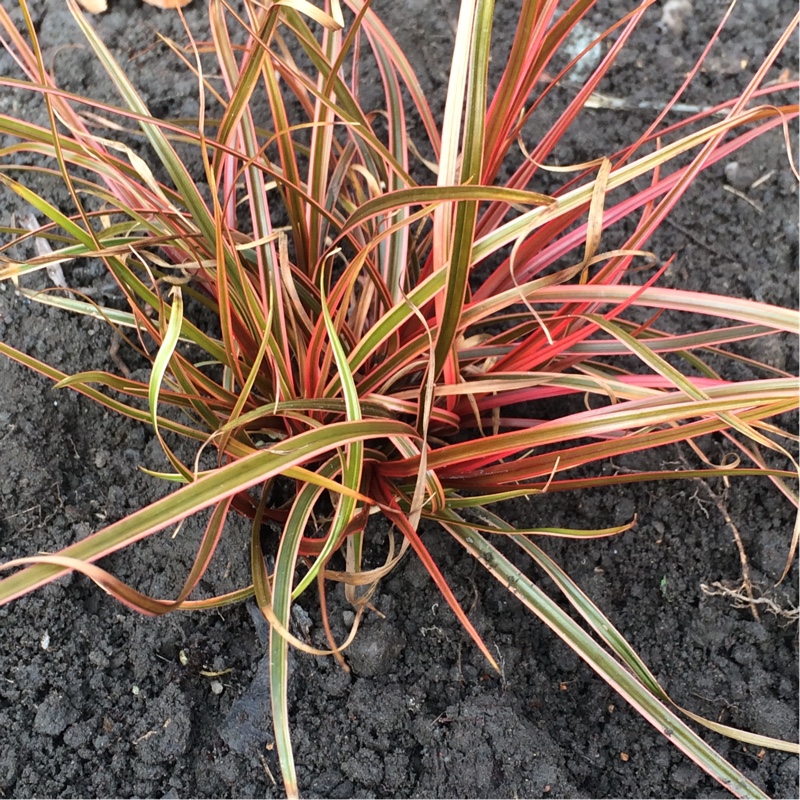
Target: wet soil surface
(98,701)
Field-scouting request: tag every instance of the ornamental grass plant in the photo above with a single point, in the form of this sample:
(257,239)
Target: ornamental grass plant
(358,324)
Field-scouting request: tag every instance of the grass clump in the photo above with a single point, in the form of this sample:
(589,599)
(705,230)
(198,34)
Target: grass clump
(374,336)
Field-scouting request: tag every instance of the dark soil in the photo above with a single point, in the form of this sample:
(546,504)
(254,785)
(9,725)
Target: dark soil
(96,701)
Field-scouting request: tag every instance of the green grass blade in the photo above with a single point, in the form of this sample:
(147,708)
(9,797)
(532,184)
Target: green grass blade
(661,366)
(281,605)
(471,64)
(617,676)
(617,643)
(352,459)
(159,370)
(233,478)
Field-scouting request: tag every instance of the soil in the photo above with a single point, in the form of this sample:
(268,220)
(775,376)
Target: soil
(96,701)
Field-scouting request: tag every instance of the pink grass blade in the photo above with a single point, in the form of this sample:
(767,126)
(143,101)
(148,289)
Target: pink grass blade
(525,471)
(394,513)
(752,400)
(574,484)
(266,256)
(729,308)
(383,41)
(578,199)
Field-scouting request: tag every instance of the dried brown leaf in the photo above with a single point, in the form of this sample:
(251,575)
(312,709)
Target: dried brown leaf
(94,6)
